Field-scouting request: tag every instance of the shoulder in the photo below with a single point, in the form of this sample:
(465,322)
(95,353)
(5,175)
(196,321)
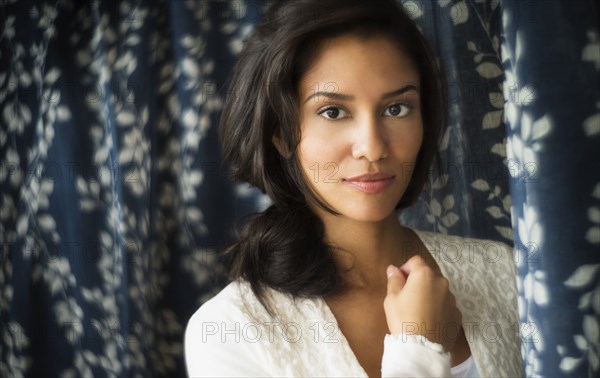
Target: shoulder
(469,262)
(221,309)
(235,305)
(482,277)
(462,241)
(467,251)
(223,327)
(233,335)
(224,305)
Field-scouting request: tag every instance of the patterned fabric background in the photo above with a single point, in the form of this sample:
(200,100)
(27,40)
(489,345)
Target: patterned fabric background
(551,60)
(114,204)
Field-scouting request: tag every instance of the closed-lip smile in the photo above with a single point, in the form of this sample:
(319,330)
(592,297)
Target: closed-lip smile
(371,177)
(371,183)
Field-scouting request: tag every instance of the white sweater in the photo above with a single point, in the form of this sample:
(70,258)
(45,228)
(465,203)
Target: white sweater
(233,335)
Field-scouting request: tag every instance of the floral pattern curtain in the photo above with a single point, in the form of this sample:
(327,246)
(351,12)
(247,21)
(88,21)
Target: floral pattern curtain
(114,204)
(551,60)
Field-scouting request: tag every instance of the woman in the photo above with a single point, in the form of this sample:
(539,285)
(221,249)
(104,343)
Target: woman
(335,111)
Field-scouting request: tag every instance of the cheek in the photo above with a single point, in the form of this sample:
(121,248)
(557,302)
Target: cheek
(409,148)
(321,146)
(320,159)
(409,144)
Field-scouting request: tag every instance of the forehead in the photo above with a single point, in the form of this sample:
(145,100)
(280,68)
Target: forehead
(359,65)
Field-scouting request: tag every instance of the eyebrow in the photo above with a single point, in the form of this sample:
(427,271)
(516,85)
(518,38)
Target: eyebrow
(345,97)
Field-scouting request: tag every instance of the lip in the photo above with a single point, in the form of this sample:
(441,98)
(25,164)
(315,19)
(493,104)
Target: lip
(371,182)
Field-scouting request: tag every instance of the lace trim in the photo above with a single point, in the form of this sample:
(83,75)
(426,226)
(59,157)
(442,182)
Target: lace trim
(420,339)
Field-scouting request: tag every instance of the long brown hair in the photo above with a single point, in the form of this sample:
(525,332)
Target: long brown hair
(283,247)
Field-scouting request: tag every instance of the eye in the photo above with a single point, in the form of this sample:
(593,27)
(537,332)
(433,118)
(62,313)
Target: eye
(333,113)
(397,110)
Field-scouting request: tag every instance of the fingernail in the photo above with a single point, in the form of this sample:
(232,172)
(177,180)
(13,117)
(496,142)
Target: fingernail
(391,270)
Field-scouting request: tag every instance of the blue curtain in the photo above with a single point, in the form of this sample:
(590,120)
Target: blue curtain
(114,204)
(551,59)
(471,195)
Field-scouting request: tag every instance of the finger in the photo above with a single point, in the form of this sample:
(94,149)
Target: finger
(396,280)
(413,263)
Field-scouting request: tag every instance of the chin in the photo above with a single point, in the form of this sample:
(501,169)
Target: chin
(369,214)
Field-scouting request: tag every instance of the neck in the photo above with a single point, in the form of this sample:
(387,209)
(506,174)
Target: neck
(365,249)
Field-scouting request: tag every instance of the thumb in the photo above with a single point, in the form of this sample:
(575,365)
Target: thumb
(396,280)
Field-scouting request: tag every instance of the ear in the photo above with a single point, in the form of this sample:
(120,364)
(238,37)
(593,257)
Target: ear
(278,143)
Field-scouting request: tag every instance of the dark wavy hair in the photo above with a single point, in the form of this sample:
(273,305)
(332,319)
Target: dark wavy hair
(283,247)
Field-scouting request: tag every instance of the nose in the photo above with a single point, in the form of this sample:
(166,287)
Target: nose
(370,140)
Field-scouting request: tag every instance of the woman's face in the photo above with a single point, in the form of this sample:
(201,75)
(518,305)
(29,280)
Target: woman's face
(361,126)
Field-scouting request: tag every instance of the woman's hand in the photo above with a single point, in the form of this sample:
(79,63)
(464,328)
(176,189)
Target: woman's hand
(418,302)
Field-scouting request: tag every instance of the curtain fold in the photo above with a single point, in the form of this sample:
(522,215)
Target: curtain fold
(551,58)
(115,206)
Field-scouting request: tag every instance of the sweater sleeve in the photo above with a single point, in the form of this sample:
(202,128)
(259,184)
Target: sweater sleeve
(413,356)
(219,343)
